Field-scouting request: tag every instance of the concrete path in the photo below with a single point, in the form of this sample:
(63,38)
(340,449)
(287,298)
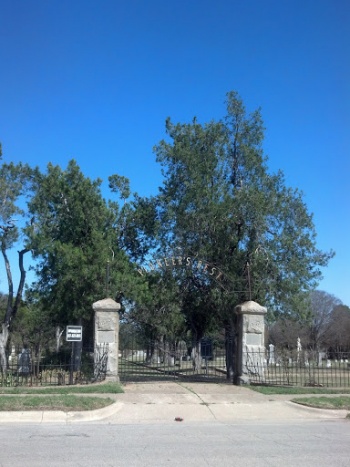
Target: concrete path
(168,402)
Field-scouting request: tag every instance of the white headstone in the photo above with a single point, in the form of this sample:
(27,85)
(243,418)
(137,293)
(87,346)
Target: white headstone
(271,354)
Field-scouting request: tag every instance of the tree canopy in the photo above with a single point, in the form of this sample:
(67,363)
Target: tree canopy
(220,205)
(73,237)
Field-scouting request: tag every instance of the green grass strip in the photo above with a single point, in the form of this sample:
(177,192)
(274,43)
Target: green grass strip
(269,390)
(58,402)
(104,388)
(325,402)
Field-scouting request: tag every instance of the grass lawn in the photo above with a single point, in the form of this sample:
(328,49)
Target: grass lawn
(56,402)
(319,402)
(64,398)
(269,390)
(340,402)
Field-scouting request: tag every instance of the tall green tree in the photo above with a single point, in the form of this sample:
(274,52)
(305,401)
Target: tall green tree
(220,204)
(74,239)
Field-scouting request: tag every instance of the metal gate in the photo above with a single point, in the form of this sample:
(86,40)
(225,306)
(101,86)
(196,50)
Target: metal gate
(154,361)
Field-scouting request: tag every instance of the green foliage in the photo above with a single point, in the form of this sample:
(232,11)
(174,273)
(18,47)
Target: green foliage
(219,204)
(73,235)
(16,182)
(73,239)
(119,184)
(33,326)
(158,309)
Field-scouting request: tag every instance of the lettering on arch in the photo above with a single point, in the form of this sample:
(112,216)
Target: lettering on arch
(189,262)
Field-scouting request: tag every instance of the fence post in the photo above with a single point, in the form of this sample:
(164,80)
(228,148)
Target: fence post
(250,344)
(106,334)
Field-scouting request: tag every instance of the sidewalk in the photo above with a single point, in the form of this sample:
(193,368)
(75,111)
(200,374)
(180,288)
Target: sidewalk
(164,402)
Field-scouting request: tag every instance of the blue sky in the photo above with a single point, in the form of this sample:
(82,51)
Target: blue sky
(95,80)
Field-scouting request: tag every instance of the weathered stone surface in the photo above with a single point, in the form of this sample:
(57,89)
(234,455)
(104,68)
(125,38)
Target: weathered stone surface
(107,304)
(253,339)
(253,323)
(250,307)
(107,334)
(105,337)
(250,343)
(106,322)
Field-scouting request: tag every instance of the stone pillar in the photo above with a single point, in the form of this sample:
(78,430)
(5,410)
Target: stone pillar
(106,335)
(250,344)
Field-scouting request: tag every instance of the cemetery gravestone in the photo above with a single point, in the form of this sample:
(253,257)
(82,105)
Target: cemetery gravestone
(272,354)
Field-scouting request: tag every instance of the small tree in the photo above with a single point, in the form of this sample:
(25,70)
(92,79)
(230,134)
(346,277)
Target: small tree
(16,182)
(339,332)
(33,327)
(321,323)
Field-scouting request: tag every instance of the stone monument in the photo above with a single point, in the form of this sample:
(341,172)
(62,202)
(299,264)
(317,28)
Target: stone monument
(106,335)
(250,360)
(299,348)
(272,355)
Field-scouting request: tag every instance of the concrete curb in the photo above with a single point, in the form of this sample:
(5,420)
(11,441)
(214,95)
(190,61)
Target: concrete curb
(59,416)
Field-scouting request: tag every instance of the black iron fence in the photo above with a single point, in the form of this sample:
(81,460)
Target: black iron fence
(54,369)
(160,361)
(298,368)
(180,361)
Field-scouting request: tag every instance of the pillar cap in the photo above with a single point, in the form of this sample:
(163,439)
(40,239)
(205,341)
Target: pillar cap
(250,307)
(107,304)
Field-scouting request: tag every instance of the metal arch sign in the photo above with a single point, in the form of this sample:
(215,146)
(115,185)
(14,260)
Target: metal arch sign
(195,264)
(74,333)
(188,262)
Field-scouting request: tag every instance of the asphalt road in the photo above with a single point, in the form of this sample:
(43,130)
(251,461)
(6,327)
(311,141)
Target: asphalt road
(244,443)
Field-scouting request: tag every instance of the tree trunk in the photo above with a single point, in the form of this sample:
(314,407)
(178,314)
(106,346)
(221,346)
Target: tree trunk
(150,352)
(4,335)
(8,313)
(5,327)
(196,357)
(21,282)
(11,308)
(59,333)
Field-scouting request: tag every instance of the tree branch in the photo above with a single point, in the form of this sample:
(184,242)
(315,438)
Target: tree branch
(21,282)
(8,313)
